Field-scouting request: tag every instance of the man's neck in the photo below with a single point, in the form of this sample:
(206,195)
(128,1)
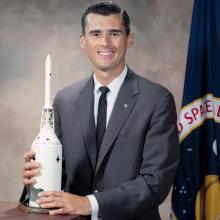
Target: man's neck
(106,78)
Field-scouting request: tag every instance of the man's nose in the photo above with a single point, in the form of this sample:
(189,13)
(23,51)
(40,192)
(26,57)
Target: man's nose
(105,39)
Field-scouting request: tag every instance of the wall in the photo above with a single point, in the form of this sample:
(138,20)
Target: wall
(29,29)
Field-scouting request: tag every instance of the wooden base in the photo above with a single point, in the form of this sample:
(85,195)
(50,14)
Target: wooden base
(26,208)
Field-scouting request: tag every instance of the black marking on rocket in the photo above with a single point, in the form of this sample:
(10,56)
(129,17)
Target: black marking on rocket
(34,193)
(58,159)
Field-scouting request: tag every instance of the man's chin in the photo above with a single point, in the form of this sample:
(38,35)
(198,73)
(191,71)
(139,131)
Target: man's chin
(106,69)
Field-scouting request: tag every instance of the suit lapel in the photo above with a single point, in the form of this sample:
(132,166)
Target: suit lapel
(124,103)
(86,113)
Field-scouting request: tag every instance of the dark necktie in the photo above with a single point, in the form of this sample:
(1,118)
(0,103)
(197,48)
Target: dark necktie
(101,117)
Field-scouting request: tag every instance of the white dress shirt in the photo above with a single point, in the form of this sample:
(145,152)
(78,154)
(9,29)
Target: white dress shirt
(111,96)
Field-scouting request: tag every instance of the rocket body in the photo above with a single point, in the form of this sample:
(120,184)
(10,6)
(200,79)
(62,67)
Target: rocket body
(48,149)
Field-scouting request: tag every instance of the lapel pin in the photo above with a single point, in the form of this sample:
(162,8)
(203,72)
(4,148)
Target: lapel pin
(125,105)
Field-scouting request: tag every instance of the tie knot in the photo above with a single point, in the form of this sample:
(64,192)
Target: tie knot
(104,89)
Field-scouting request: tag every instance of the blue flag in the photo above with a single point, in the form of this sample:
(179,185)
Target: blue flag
(196,190)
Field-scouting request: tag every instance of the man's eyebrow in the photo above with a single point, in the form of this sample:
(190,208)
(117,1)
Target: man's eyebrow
(94,31)
(115,30)
(110,31)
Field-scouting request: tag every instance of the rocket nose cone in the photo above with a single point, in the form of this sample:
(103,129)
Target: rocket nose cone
(48,60)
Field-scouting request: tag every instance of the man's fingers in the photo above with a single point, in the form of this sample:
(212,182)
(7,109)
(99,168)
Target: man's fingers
(31,169)
(31,173)
(50,202)
(31,165)
(29,155)
(64,203)
(58,212)
(51,193)
(49,199)
(49,205)
(53,199)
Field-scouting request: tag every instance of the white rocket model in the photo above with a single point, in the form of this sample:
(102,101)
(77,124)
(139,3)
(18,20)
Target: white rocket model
(47,147)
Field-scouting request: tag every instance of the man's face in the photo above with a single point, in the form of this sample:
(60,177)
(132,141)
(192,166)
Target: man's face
(106,42)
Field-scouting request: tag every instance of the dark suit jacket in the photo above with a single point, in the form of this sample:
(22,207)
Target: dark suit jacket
(139,153)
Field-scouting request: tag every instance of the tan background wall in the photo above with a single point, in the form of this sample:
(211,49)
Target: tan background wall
(29,29)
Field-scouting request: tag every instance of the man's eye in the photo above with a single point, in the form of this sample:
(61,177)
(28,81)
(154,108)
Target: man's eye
(95,34)
(115,34)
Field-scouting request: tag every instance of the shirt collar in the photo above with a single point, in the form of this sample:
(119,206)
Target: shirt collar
(115,84)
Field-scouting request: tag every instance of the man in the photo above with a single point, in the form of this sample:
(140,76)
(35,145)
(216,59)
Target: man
(123,169)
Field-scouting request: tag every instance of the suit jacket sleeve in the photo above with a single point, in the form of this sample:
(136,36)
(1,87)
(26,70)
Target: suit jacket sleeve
(160,159)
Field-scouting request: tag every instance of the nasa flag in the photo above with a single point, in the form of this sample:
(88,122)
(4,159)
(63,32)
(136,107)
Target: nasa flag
(196,190)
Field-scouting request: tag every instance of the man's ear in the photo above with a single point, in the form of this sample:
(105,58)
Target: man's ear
(82,41)
(130,40)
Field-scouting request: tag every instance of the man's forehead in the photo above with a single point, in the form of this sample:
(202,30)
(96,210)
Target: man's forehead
(100,21)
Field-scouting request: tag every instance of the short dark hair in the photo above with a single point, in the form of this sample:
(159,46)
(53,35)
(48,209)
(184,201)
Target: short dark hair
(106,8)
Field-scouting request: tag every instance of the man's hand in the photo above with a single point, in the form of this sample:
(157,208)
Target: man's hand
(65,203)
(31,169)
